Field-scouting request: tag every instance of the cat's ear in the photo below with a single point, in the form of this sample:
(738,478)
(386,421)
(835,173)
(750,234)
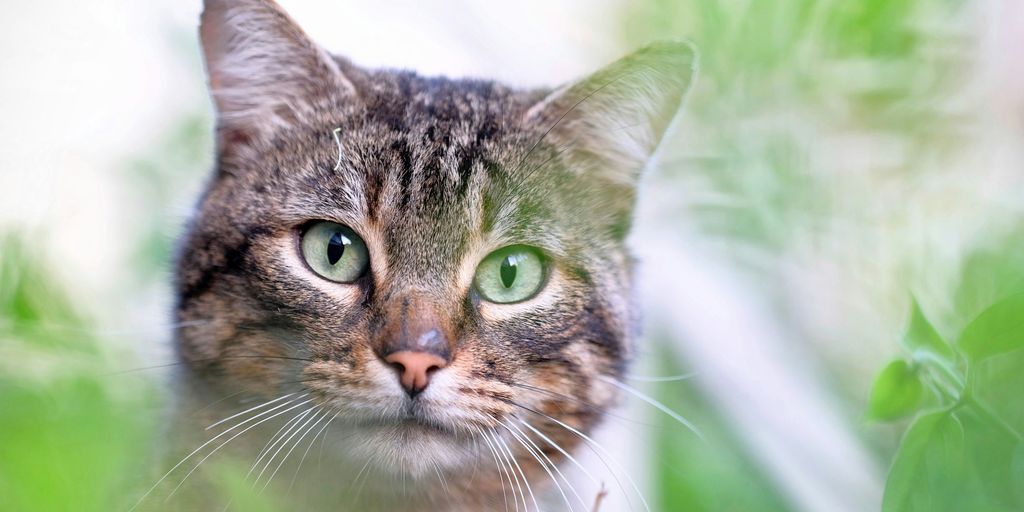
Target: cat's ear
(612,121)
(264,71)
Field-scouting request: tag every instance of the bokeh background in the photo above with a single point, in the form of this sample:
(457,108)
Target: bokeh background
(847,180)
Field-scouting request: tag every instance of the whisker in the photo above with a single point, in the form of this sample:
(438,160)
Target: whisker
(668,378)
(497,466)
(275,439)
(311,443)
(282,442)
(508,467)
(153,329)
(361,485)
(292,449)
(526,481)
(553,466)
(658,405)
(233,416)
(537,456)
(561,450)
(594,444)
(203,360)
(444,483)
(215,450)
(577,463)
(204,445)
(580,401)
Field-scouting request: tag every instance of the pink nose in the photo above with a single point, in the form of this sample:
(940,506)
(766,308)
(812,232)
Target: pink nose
(414,368)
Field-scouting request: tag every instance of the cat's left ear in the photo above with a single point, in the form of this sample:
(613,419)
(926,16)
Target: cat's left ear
(611,122)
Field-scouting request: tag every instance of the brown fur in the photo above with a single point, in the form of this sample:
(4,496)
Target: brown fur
(434,175)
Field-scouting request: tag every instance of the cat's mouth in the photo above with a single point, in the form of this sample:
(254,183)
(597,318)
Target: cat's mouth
(412,444)
(409,424)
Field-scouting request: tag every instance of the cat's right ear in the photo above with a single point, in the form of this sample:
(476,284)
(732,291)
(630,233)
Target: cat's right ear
(264,71)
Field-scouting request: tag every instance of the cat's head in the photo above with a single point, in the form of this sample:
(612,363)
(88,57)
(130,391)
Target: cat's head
(429,259)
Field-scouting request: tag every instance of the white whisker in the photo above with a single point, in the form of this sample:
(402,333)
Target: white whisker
(250,427)
(233,416)
(298,441)
(497,466)
(508,467)
(526,481)
(553,466)
(281,443)
(561,450)
(440,478)
(598,446)
(523,440)
(204,445)
(311,443)
(658,405)
(668,378)
(273,442)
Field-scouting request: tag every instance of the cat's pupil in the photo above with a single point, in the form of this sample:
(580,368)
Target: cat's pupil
(508,271)
(336,247)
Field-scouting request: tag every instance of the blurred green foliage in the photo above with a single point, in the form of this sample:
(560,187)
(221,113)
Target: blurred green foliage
(72,434)
(806,111)
(962,452)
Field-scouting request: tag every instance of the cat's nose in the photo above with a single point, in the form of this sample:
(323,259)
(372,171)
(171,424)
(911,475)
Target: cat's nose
(415,340)
(415,368)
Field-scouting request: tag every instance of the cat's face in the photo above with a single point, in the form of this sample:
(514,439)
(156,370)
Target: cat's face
(428,259)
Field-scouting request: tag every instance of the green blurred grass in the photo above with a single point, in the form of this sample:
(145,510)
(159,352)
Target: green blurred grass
(74,437)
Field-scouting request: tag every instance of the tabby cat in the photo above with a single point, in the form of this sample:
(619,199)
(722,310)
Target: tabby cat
(426,277)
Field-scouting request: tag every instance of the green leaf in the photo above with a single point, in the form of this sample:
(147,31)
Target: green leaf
(1017,471)
(921,337)
(932,446)
(954,460)
(896,393)
(997,330)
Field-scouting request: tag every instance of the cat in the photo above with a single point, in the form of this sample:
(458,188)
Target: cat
(434,268)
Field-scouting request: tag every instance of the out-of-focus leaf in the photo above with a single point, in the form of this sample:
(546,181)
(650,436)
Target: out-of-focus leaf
(1017,471)
(921,336)
(990,445)
(953,460)
(997,330)
(920,473)
(990,273)
(896,393)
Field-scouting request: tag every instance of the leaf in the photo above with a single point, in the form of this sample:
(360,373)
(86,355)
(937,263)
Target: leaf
(925,473)
(990,451)
(997,330)
(953,460)
(921,336)
(932,446)
(1017,471)
(896,393)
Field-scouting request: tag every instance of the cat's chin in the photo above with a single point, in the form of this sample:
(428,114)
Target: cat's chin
(410,447)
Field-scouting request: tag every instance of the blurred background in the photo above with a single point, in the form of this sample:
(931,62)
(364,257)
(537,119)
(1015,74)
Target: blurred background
(836,223)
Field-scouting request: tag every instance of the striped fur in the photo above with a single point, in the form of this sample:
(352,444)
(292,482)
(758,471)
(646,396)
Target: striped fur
(434,174)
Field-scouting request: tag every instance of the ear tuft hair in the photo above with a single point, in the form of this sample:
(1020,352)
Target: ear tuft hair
(613,121)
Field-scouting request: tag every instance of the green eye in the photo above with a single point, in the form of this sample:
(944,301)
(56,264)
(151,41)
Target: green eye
(335,252)
(512,274)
